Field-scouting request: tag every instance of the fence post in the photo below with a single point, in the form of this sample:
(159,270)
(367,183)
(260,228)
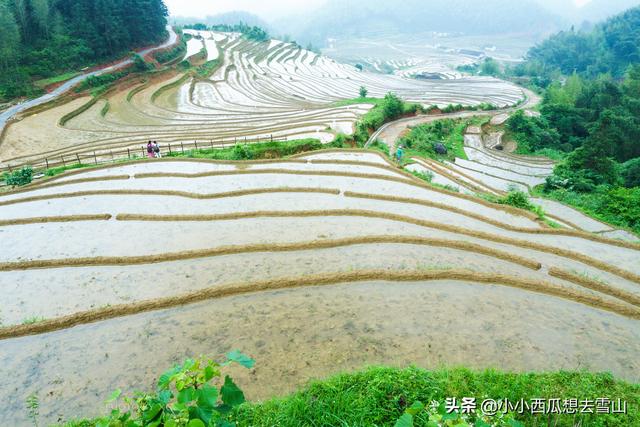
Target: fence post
(95,158)
(63,163)
(212,144)
(196,142)
(128,153)
(271,137)
(169,148)
(46,162)
(143,152)
(182,145)
(78,157)
(111,151)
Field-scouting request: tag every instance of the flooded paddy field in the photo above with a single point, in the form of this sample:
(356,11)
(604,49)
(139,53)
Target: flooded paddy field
(328,329)
(260,90)
(311,255)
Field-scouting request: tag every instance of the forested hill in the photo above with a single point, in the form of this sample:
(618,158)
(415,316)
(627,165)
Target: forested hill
(590,117)
(43,38)
(609,48)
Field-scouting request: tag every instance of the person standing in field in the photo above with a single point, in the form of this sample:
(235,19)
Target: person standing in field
(156,150)
(150,152)
(399,154)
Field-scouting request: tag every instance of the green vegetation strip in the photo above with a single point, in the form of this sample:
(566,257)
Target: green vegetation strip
(95,315)
(169,86)
(378,396)
(64,119)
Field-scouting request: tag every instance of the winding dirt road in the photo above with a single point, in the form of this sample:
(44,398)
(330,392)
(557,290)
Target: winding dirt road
(12,111)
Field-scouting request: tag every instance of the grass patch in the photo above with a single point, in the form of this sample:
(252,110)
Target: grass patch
(57,79)
(33,319)
(428,178)
(255,151)
(105,108)
(616,206)
(517,199)
(421,141)
(61,169)
(356,101)
(378,396)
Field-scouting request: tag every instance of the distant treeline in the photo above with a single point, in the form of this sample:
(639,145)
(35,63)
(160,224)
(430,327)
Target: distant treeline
(251,32)
(44,38)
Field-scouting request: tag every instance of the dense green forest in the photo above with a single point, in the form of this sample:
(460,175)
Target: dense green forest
(590,117)
(607,49)
(44,38)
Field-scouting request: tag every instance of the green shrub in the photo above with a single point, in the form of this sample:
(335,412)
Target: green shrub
(186,396)
(20,177)
(520,200)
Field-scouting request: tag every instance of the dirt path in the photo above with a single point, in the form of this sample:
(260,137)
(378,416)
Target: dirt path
(11,112)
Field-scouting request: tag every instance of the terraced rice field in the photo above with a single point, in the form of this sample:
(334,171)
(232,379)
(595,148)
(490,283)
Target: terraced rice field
(260,90)
(312,265)
(434,55)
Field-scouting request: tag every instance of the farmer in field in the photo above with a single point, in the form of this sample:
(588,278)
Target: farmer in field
(399,154)
(150,152)
(156,150)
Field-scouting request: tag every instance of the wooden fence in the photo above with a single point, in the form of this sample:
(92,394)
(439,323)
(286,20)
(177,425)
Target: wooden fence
(110,155)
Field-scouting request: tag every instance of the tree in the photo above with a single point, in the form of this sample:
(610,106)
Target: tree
(490,67)
(392,106)
(43,38)
(9,37)
(363,92)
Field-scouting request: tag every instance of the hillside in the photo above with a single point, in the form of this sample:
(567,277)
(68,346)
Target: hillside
(40,39)
(610,48)
(339,19)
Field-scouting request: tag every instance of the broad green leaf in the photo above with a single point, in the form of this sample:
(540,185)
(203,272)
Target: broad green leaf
(170,423)
(405,420)
(231,394)
(165,396)
(209,373)
(207,397)
(432,424)
(415,408)
(196,423)
(152,412)
(482,423)
(187,395)
(225,423)
(166,378)
(452,416)
(202,413)
(241,358)
(515,423)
